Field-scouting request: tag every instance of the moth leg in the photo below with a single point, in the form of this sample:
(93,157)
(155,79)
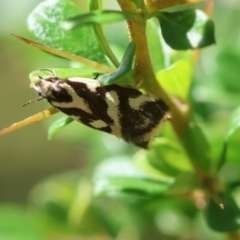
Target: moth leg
(49,70)
(32,101)
(97,74)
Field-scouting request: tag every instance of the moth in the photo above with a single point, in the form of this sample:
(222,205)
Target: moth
(119,110)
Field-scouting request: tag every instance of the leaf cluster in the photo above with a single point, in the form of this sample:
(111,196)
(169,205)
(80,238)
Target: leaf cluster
(185,177)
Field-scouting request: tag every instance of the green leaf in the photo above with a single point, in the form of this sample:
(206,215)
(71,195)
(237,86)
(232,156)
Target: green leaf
(234,124)
(55,195)
(44,24)
(168,157)
(223,220)
(139,3)
(155,45)
(120,176)
(58,125)
(125,66)
(195,143)
(230,175)
(233,128)
(141,161)
(227,70)
(96,17)
(187,29)
(184,183)
(18,222)
(177,79)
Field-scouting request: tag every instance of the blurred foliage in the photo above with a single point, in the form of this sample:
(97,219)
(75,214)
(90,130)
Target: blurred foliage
(171,191)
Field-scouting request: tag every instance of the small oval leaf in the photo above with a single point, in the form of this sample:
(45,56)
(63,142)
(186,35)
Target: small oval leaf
(44,24)
(58,125)
(177,79)
(234,123)
(233,128)
(120,175)
(223,220)
(168,157)
(187,29)
(197,146)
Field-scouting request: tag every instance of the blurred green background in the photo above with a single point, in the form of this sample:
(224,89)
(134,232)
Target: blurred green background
(27,157)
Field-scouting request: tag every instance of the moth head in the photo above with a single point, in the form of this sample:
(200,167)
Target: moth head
(41,83)
(44,82)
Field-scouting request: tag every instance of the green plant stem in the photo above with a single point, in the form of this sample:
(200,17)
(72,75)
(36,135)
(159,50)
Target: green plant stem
(145,77)
(94,5)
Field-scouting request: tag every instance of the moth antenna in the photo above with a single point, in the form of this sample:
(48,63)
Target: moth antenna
(49,70)
(32,101)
